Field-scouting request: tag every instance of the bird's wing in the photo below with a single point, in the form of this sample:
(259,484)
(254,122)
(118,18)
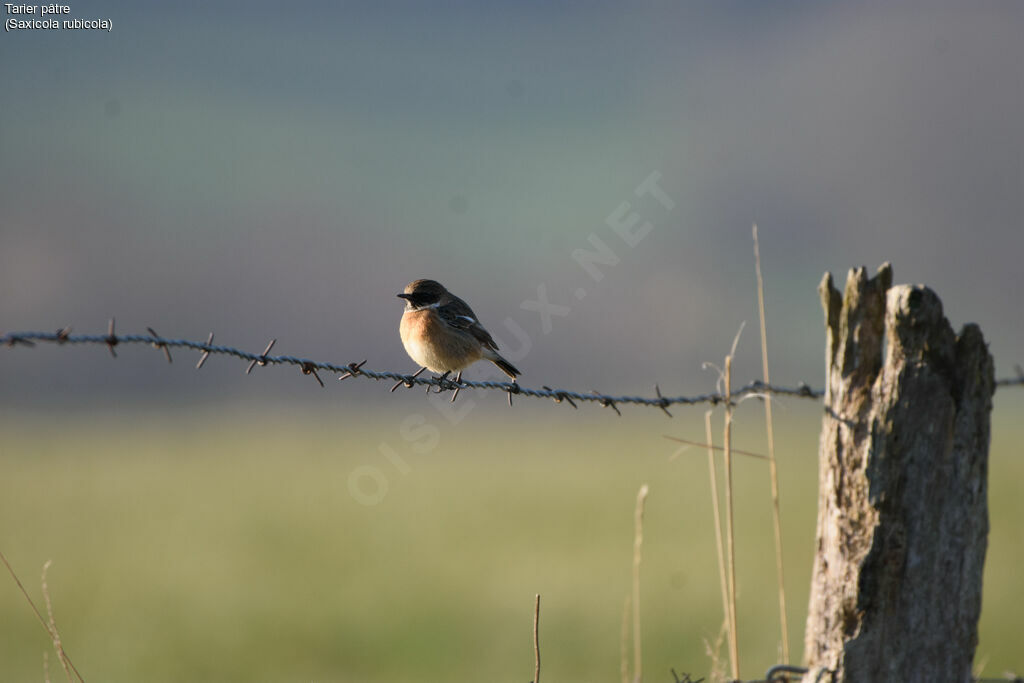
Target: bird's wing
(459,315)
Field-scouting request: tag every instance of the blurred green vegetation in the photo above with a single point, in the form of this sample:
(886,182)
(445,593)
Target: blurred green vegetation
(230,547)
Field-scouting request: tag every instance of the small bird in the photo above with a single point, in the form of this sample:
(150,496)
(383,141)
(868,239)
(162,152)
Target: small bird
(441,332)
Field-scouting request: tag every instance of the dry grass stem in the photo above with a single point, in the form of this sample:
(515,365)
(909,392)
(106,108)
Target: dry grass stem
(638,542)
(50,626)
(711,446)
(536,639)
(717,673)
(734,655)
(54,633)
(772,463)
(713,475)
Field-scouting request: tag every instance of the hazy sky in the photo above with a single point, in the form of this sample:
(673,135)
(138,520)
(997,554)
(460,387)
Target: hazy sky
(282,170)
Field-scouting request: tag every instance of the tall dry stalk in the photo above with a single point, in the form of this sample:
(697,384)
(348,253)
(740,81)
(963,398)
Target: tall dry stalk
(713,474)
(52,628)
(536,639)
(734,652)
(638,543)
(772,465)
(717,672)
(51,625)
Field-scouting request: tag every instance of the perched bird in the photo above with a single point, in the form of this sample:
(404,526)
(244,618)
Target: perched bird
(441,332)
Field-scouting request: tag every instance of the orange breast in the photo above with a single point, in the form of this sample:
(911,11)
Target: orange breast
(435,345)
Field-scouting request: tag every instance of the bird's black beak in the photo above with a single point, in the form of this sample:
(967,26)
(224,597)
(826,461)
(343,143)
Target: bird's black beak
(405,296)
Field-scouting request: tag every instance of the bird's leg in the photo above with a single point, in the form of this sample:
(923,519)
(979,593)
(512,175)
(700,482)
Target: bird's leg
(458,380)
(406,382)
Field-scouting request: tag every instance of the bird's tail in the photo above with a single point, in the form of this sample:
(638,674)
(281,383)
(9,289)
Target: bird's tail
(506,367)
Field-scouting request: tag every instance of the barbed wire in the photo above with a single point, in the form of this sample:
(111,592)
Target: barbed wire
(357,369)
(787,673)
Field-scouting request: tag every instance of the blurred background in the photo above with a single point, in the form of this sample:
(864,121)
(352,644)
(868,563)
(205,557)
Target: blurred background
(264,171)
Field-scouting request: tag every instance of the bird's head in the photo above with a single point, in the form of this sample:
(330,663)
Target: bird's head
(422,293)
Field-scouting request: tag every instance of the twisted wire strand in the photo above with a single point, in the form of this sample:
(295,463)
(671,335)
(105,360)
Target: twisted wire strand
(309,366)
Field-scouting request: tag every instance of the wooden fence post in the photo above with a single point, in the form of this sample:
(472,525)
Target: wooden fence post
(902,497)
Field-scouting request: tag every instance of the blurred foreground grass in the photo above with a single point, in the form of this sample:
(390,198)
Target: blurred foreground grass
(230,548)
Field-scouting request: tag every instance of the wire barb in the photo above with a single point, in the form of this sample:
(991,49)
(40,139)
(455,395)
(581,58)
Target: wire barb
(309,368)
(159,344)
(353,370)
(13,339)
(407,380)
(607,402)
(662,401)
(112,339)
(262,358)
(560,396)
(458,380)
(513,388)
(206,352)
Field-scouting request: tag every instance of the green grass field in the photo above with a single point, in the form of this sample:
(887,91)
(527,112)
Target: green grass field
(230,548)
